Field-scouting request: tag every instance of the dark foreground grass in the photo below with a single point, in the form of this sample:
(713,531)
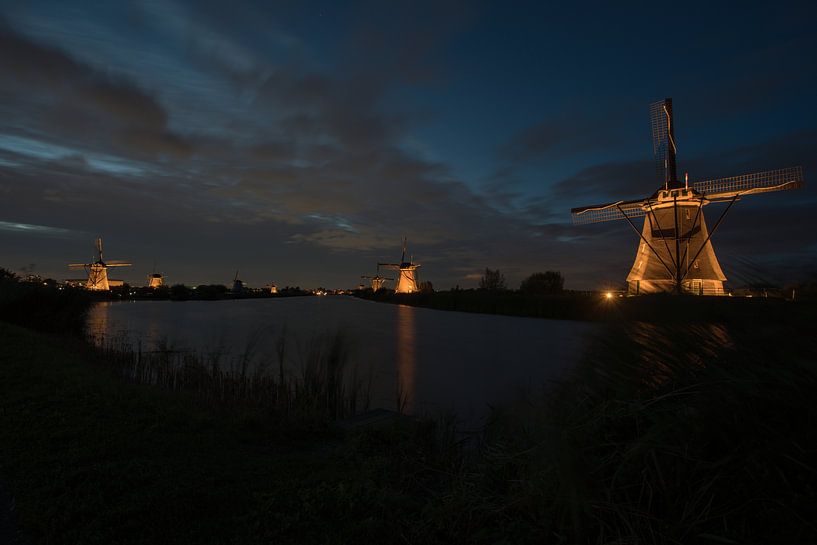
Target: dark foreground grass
(93,459)
(664,434)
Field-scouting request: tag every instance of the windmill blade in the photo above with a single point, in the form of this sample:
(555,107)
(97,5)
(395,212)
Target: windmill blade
(749,184)
(663,139)
(77,265)
(608,212)
(118,264)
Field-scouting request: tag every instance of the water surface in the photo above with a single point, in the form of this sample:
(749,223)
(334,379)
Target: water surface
(439,361)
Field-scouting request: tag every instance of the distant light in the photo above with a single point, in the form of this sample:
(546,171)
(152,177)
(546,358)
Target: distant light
(609,295)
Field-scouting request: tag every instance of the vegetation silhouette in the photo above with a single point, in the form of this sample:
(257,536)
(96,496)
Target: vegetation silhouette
(546,283)
(493,280)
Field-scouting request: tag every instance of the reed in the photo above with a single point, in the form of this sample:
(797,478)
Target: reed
(662,435)
(306,382)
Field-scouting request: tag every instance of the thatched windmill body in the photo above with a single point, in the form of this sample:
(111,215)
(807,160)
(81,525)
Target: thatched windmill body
(407,278)
(675,253)
(98,271)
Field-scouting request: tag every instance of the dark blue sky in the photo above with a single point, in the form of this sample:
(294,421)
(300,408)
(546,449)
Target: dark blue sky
(299,141)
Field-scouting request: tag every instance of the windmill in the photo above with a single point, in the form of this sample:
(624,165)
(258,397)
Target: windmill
(675,252)
(407,280)
(377,280)
(98,271)
(155,280)
(238,285)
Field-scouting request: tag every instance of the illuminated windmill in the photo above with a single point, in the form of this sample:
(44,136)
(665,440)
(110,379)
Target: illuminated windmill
(407,281)
(98,271)
(675,253)
(155,280)
(377,280)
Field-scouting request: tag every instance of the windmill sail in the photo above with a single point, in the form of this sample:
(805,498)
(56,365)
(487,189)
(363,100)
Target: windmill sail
(748,184)
(608,212)
(663,140)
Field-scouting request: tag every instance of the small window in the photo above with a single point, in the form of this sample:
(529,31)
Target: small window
(695,265)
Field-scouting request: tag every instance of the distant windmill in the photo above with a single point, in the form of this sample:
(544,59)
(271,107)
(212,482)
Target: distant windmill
(675,254)
(238,285)
(377,280)
(407,281)
(98,270)
(155,280)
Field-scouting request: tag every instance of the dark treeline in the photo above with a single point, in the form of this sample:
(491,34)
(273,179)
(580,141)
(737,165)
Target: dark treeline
(212,292)
(43,305)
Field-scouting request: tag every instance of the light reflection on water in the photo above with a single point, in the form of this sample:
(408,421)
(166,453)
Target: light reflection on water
(650,354)
(405,357)
(433,360)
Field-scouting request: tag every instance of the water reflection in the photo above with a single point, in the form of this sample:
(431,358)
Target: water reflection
(406,361)
(653,354)
(97,323)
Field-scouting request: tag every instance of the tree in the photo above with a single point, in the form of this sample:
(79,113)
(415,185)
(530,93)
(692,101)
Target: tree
(543,283)
(426,287)
(179,292)
(7,275)
(492,281)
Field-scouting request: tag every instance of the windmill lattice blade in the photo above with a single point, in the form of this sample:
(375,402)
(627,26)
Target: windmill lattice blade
(662,144)
(608,212)
(118,264)
(77,265)
(748,184)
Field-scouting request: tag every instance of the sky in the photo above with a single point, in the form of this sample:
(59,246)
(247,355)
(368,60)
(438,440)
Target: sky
(298,142)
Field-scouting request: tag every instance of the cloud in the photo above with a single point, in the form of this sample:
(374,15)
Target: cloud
(45,230)
(559,136)
(54,95)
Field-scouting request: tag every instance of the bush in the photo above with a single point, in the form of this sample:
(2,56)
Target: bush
(43,307)
(545,283)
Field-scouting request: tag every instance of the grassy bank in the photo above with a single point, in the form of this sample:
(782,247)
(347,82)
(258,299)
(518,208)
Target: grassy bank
(663,434)
(93,459)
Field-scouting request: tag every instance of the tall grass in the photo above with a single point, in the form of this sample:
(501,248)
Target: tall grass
(308,382)
(663,434)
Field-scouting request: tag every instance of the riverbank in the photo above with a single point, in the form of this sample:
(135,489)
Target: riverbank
(661,435)
(90,458)
(660,308)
